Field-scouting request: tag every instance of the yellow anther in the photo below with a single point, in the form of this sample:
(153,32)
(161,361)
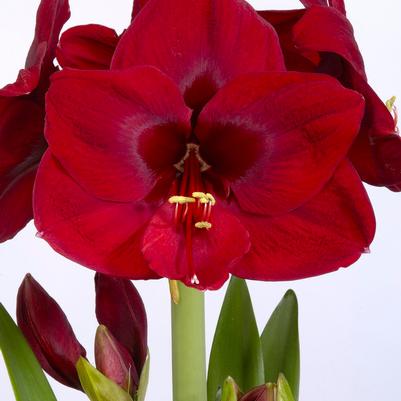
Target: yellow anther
(204,197)
(390,104)
(211,199)
(181,199)
(203,224)
(199,195)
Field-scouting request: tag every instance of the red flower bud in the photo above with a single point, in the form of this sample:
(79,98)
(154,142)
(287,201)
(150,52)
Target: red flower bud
(114,361)
(265,392)
(120,308)
(48,332)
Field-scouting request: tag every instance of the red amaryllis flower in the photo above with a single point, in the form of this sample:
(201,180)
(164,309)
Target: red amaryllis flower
(22,120)
(196,156)
(321,39)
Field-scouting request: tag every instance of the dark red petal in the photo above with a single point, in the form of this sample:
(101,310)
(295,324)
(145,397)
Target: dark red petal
(138,5)
(88,47)
(278,137)
(376,153)
(337,4)
(21,147)
(330,231)
(201,46)
(325,29)
(51,16)
(26,82)
(16,204)
(48,331)
(119,306)
(213,250)
(104,236)
(123,129)
(310,3)
(283,22)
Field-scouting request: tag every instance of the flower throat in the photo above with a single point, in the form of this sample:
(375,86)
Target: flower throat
(193,205)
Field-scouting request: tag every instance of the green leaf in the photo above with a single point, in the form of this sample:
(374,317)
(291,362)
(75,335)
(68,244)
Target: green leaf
(236,349)
(230,390)
(26,375)
(280,343)
(143,380)
(284,392)
(97,386)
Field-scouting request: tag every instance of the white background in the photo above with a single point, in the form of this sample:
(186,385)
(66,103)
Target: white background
(350,320)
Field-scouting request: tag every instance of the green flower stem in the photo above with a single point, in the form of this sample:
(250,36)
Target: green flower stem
(188,345)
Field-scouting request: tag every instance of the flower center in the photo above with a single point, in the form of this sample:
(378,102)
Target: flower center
(193,205)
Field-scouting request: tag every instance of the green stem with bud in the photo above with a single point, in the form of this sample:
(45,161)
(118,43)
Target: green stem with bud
(188,345)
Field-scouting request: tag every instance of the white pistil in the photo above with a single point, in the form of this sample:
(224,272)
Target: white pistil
(194,279)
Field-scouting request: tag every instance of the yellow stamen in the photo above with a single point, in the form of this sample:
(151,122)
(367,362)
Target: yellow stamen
(390,104)
(174,291)
(199,195)
(211,199)
(203,224)
(181,199)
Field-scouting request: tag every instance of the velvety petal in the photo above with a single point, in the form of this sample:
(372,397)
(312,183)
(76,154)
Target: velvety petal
(283,22)
(376,153)
(50,18)
(330,231)
(87,47)
(21,138)
(201,46)
(278,137)
(21,147)
(103,236)
(167,248)
(138,5)
(16,204)
(337,4)
(123,129)
(325,29)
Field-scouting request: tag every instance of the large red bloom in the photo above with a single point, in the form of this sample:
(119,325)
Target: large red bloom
(197,156)
(321,39)
(22,119)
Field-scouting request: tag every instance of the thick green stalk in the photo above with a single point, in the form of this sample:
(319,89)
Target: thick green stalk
(188,345)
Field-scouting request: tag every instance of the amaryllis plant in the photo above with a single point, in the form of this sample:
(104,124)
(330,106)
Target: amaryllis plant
(207,140)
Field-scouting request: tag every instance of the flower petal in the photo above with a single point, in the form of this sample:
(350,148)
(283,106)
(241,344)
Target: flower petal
(166,247)
(278,137)
(376,153)
(201,46)
(16,204)
(103,236)
(123,129)
(50,18)
(335,35)
(88,47)
(21,147)
(330,231)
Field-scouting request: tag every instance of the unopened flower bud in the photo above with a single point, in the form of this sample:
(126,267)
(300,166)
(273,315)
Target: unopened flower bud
(114,361)
(265,392)
(48,332)
(120,308)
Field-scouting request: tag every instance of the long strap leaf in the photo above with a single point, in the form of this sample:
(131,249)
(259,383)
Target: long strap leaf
(27,377)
